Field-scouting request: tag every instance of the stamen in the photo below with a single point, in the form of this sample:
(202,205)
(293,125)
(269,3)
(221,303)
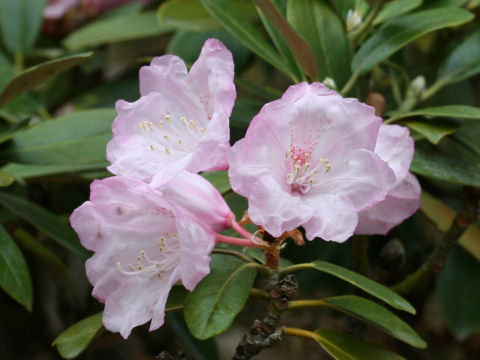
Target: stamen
(167,150)
(180,141)
(166,137)
(153,147)
(168,118)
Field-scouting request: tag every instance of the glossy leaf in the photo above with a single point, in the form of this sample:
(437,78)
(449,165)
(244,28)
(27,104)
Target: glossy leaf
(243,112)
(77,138)
(219,179)
(369,286)
(434,130)
(397,33)
(116,29)
(444,167)
(443,215)
(239,25)
(346,347)
(38,74)
(211,308)
(45,221)
(458,293)
(463,62)
(454,111)
(20,23)
(396,8)
(325,33)
(73,341)
(377,316)
(14,275)
(298,46)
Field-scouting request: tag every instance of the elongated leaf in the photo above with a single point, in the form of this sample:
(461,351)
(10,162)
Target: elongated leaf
(395,34)
(243,112)
(346,347)
(116,29)
(361,282)
(298,46)
(14,274)
(219,297)
(444,167)
(396,8)
(77,138)
(239,26)
(73,341)
(20,23)
(442,215)
(38,74)
(325,33)
(455,111)
(434,130)
(13,130)
(463,62)
(6,179)
(377,316)
(45,221)
(219,179)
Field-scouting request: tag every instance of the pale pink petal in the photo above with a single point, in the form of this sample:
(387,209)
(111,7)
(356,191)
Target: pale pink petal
(165,73)
(401,203)
(56,9)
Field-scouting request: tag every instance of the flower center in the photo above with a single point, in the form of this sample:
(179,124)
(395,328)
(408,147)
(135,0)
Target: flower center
(172,136)
(301,175)
(168,257)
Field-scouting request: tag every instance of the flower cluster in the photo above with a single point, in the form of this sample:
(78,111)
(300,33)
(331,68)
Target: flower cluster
(311,159)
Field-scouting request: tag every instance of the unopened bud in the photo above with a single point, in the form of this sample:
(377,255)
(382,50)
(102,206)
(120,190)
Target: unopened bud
(376,100)
(354,19)
(328,81)
(418,85)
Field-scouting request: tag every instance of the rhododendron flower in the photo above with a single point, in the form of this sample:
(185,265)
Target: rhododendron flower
(181,120)
(197,197)
(307,160)
(55,9)
(143,245)
(394,146)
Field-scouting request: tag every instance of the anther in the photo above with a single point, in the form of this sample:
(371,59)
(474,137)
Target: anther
(153,147)
(202,130)
(180,141)
(168,118)
(166,137)
(167,150)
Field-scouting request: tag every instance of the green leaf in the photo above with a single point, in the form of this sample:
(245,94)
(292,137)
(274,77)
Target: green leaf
(6,179)
(14,274)
(76,138)
(369,286)
(38,74)
(397,33)
(377,316)
(13,130)
(346,347)
(445,168)
(298,46)
(395,8)
(433,130)
(463,62)
(325,33)
(20,23)
(239,25)
(45,221)
(458,293)
(243,112)
(219,297)
(73,341)
(176,298)
(112,30)
(219,179)
(455,111)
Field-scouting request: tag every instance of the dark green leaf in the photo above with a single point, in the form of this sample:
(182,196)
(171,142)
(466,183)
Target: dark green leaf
(219,297)
(14,274)
(239,25)
(244,111)
(6,179)
(434,130)
(77,138)
(326,35)
(38,74)
(395,34)
(369,286)
(73,341)
(377,316)
(219,179)
(455,111)
(13,130)
(463,62)
(444,167)
(176,298)
(45,221)
(395,8)
(346,347)
(20,23)
(112,30)
(459,294)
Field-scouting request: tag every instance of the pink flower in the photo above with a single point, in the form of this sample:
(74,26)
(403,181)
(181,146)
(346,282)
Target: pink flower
(143,245)
(181,120)
(395,147)
(307,160)
(55,9)
(197,197)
